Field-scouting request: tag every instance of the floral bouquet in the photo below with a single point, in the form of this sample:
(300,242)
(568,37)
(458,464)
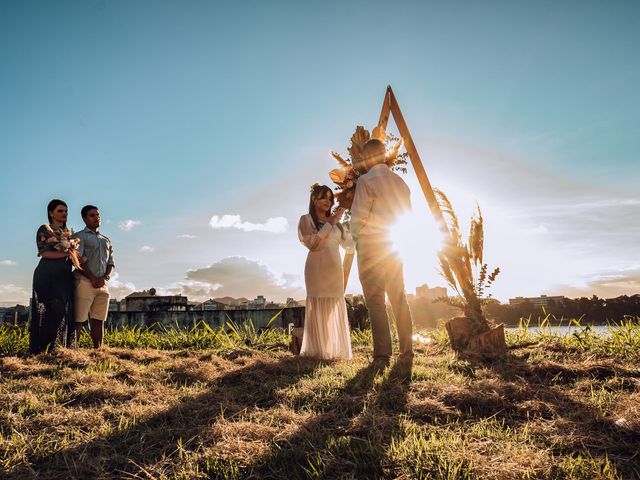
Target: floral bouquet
(67,242)
(346,175)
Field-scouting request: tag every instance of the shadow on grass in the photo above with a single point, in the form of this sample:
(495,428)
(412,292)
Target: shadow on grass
(522,392)
(155,440)
(348,437)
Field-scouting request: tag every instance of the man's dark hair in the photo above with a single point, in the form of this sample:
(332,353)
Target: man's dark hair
(86,209)
(375,147)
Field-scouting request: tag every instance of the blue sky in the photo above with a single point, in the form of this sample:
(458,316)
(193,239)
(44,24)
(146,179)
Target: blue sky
(165,114)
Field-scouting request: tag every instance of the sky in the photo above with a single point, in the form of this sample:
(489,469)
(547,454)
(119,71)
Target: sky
(197,128)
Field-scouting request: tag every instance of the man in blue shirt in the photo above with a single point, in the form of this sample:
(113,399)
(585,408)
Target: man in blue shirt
(92,292)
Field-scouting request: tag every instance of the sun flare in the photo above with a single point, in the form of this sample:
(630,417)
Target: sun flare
(416,239)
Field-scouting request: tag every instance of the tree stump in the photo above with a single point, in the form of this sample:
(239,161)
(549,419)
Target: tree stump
(296,340)
(464,340)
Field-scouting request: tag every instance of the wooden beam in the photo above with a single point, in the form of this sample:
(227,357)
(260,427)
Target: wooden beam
(418,167)
(346,267)
(386,110)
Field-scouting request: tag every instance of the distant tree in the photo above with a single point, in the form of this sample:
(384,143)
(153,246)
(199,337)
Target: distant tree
(428,313)
(588,310)
(357,313)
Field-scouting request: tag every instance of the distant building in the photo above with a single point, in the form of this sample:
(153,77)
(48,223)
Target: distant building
(148,301)
(231,303)
(114,305)
(242,305)
(424,292)
(17,314)
(290,302)
(210,304)
(541,301)
(258,303)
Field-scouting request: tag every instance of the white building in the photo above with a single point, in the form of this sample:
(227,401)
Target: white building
(541,301)
(259,302)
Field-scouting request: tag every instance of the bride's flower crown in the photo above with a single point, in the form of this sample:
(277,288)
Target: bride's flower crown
(313,189)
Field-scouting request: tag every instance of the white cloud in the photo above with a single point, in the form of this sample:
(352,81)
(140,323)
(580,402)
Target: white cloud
(272,225)
(194,290)
(119,289)
(540,229)
(147,249)
(186,235)
(128,225)
(606,284)
(14,293)
(8,263)
(242,277)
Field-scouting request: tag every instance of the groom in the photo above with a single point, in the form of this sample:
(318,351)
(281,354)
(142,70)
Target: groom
(381,196)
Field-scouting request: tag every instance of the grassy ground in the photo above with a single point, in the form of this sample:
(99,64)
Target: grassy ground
(204,404)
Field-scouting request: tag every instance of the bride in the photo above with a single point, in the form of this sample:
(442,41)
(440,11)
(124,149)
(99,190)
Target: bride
(326,327)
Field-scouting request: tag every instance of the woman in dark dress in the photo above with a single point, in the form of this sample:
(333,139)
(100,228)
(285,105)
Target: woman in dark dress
(52,281)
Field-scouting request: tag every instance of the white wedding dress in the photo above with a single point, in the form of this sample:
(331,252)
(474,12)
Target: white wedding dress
(326,326)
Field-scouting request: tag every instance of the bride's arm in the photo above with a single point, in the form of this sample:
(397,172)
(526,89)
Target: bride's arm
(309,236)
(346,240)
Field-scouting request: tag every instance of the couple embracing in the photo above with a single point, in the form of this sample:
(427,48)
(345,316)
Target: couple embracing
(381,196)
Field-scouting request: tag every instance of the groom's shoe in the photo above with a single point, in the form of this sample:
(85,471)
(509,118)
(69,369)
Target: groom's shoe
(402,369)
(380,363)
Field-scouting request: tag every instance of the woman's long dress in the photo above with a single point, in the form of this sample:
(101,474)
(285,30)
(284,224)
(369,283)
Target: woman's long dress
(326,326)
(52,301)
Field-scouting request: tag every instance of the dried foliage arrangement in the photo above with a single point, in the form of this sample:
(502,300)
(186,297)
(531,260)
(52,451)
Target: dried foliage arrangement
(351,167)
(64,240)
(461,264)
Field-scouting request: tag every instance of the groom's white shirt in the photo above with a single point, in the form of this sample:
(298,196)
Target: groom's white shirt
(381,197)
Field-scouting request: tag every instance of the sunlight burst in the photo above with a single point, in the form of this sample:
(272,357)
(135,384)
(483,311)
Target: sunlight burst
(416,239)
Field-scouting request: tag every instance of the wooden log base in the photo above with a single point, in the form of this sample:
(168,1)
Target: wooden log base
(464,340)
(491,343)
(460,333)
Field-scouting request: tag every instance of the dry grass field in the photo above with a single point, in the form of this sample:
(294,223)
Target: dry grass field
(240,406)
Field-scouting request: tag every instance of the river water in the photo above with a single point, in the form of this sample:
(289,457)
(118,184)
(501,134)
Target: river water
(563,329)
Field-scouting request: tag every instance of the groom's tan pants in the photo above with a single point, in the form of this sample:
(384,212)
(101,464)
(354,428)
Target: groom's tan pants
(380,271)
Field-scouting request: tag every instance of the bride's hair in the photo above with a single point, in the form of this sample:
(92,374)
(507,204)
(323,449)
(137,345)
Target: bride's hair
(319,191)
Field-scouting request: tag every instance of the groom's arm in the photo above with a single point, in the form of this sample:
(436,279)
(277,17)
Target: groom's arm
(361,208)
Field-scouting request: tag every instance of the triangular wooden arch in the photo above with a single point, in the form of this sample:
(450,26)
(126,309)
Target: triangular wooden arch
(390,107)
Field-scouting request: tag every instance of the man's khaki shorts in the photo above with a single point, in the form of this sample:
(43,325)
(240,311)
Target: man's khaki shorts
(90,302)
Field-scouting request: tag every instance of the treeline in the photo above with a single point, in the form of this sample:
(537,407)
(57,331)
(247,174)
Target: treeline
(429,314)
(592,310)
(424,312)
